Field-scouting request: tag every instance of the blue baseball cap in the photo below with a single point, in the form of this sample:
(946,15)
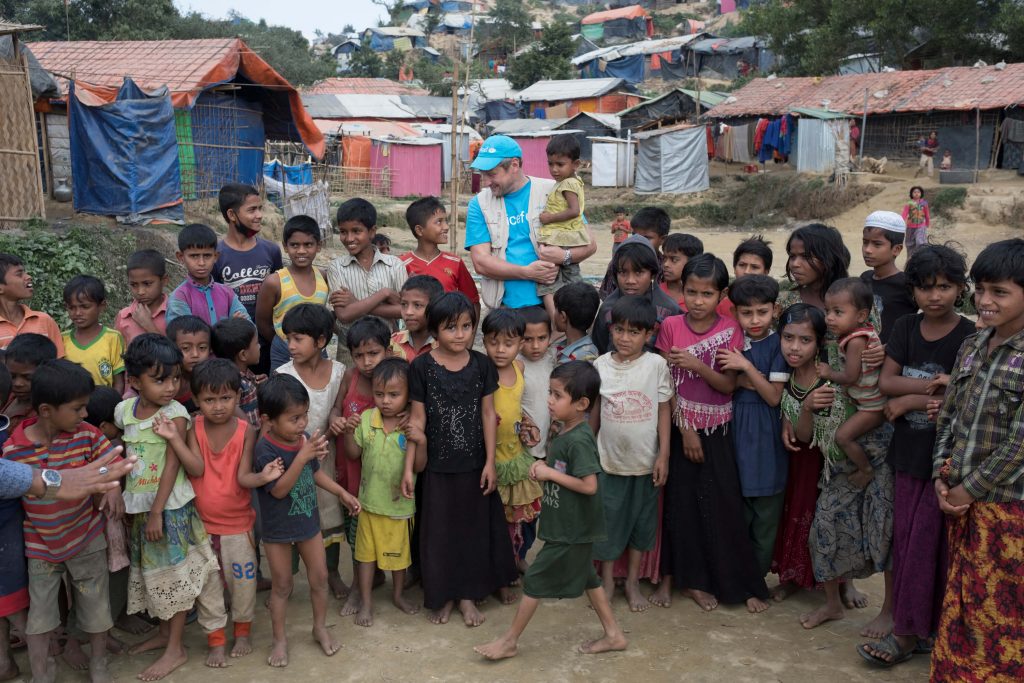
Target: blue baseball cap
(494,150)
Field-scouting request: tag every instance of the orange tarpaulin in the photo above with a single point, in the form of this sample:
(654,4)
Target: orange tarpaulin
(355,156)
(631,12)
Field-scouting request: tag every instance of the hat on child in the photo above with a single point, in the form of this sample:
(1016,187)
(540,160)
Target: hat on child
(886,220)
(495,150)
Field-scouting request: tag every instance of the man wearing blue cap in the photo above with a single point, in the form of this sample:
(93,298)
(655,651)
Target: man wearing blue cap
(501,229)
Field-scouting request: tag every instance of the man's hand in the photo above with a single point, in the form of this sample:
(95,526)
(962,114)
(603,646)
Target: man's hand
(542,272)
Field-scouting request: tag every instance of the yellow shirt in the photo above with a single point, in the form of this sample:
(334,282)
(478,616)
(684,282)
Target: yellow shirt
(571,233)
(102,357)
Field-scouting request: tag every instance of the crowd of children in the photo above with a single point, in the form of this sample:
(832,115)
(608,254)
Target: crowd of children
(671,426)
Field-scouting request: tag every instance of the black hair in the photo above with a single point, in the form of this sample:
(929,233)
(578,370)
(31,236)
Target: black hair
(216,373)
(187,324)
(151,351)
(755,245)
(635,311)
(232,196)
(910,195)
(428,284)
(358,210)
(149,260)
(390,368)
(932,260)
(824,244)
(651,218)
(859,291)
(85,287)
(301,224)
(579,301)
(998,261)
(751,290)
(8,261)
(894,238)
(580,379)
(806,313)
(279,393)
(421,211)
(59,381)
(677,242)
(507,321)
(707,267)
(565,145)
(197,236)
(231,336)
(381,240)
(5,384)
(101,405)
(640,255)
(536,315)
(619,209)
(312,320)
(366,329)
(30,348)
(448,308)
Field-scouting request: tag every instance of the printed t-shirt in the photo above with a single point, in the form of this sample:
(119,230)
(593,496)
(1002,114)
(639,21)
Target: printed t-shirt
(295,517)
(571,517)
(448,269)
(520,251)
(224,505)
(245,271)
(380,487)
(892,300)
(102,357)
(140,440)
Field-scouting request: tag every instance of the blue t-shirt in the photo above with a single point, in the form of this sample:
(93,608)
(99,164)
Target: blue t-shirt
(245,271)
(520,251)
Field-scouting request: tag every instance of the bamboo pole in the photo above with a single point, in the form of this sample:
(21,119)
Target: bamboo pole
(977,144)
(453,214)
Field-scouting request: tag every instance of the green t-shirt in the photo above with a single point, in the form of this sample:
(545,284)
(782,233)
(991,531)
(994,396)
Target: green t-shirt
(380,487)
(567,516)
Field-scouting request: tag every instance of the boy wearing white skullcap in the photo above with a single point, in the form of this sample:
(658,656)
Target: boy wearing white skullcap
(884,232)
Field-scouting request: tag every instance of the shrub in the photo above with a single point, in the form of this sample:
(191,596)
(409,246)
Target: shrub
(946,199)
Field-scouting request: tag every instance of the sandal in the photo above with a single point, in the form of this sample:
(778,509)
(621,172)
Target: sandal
(924,646)
(890,646)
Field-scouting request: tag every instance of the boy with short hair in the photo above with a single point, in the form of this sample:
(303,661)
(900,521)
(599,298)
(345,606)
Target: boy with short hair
(428,222)
(56,440)
(17,318)
(243,258)
(576,305)
(147,278)
(23,357)
(418,292)
(94,346)
(977,466)
(538,356)
(884,232)
(236,340)
(382,242)
(193,338)
(676,250)
(753,256)
(650,222)
(620,228)
(199,294)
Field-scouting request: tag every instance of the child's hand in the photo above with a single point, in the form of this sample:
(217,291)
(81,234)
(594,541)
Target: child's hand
(313,447)
(895,407)
(733,359)
(164,427)
(337,426)
(681,358)
(692,448)
(154,530)
(933,410)
(539,471)
(861,478)
(260,379)
(350,502)
(938,384)
(955,505)
(660,473)
(873,356)
(403,421)
(352,423)
(409,484)
(819,399)
(112,503)
(789,440)
(529,433)
(545,217)
(824,370)
(240,314)
(143,317)
(272,471)
(415,434)
(341,297)
(488,479)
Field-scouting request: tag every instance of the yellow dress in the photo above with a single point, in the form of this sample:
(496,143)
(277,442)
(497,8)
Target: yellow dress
(570,233)
(519,494)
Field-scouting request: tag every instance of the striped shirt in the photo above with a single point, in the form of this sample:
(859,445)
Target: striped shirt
(981,424)
(386,271)
(56,531)
(292,297)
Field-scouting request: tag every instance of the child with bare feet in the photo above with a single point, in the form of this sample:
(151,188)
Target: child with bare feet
(288,507)
(573,518)
(173,566)
(465,551)
(224,443)
(503,330)
(385,523)
(633,422)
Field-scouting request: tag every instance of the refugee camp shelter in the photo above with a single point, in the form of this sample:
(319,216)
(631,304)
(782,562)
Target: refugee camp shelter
(362,86)
(534,146)
(620,25)
(464,136)
(388,38)
(513,126)
(491,99)
(204,107)
(343,53)
(386,107)
(614,162)
(406,167)
(673,107)
(636,62)
(672,160)
(565,98)
(591,124)
(725,57)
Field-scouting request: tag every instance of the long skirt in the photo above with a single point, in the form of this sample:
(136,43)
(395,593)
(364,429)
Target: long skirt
(981,631)
(705,544)
(792,557)
(920,557)
(13,566)
(465,549)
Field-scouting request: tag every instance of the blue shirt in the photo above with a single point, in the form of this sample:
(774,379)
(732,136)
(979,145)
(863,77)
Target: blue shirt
(520,251)
(245,271)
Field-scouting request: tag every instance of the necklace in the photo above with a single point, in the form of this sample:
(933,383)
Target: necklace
(799,393)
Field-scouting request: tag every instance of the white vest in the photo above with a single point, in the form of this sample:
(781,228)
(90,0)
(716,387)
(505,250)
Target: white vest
(493,208)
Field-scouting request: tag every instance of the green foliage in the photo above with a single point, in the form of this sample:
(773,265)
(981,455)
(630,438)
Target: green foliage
(52,258)
(366,63)
(434,75)
(508,30)
(945,199)
(549,59)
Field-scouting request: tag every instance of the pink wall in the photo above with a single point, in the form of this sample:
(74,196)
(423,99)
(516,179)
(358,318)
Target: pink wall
(535,157)
(415,169)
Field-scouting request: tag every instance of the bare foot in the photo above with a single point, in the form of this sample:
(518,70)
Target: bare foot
(133,624)
(328,643)
(783,591)
(663,596)
(637,602)
(879,627)
(821,615)
(502,648)
(242,646)
(278,654)
(440,616)
(470,614)
(216,658)
(339,589)
(756,605)
(706,601)
(157,642)
(507,596)
(364,617)
(606,644)
(115,646)
(905,643)
(9,670)
(352,605)
(408,607)
(168,662)
(852,597)
(74,656)
(98,671)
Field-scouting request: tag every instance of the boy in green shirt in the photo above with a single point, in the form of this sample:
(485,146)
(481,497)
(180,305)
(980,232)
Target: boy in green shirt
(572,513)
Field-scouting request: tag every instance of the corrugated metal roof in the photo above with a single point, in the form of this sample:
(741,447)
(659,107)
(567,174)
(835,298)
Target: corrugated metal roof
(608,120)
(542,133)
(950,89)
(368,128)
(491,89)
(362,86)
(708,98)
(643,47)
(574,89)
(352,106)
(819,114)
(510,126)
(662,131)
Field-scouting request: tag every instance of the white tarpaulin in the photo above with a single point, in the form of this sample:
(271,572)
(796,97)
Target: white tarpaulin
(672,160)
(612,162)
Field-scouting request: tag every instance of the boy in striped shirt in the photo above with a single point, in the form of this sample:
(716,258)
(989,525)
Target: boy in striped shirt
(64,537)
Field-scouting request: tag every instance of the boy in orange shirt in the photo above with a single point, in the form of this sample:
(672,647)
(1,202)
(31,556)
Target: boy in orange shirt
(17,318)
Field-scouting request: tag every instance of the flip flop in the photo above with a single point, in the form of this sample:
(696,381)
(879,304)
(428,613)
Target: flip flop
(924,646)
(888,645)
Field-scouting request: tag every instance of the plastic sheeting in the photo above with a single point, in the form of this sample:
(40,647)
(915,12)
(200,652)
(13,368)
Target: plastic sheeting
(124,155)
(43,84)
(299,174)
(675,161)
(630,69)
(304,200)
(613,162)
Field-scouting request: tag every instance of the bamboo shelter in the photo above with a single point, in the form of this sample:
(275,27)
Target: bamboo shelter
(21,184)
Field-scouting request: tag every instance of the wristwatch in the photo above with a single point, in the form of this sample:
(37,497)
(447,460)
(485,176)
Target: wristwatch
(567,259)
(52,481)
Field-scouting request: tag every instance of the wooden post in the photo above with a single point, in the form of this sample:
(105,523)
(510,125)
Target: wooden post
(977,144)
(863,129)
(453,214)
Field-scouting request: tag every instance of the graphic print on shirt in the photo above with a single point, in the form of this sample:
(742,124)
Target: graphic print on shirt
(453,423)
(303,494)
(551,490)
(918,419)
(627,407)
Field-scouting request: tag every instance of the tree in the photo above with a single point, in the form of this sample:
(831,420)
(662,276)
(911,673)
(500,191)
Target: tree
(549,59)
(509,28)
(366,63)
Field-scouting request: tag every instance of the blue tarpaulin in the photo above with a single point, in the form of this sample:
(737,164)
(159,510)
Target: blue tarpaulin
(124,155)
(630,68)
(228,136)
(300,174)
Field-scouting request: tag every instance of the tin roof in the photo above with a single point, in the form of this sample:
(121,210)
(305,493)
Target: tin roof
(354,106)
(573,89)
(362,86)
